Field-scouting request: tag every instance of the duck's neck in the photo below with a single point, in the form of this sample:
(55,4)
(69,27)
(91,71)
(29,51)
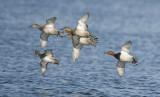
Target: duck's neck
(69,30)
(117,56)
(38,26)
(69,35)
(38,53)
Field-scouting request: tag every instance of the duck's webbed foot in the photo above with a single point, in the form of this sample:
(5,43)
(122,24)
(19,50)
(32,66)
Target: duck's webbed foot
(94,40)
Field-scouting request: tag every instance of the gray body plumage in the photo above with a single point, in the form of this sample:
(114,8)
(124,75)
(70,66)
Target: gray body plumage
(46,58)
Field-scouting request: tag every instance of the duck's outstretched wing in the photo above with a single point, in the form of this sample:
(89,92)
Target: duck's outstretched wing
(121,67)
(51,21)
(48,53)
(75,40)
(43,67)
(126,47)
(82,22)
(88,41)
(76,47)
(76,52)
(43,39)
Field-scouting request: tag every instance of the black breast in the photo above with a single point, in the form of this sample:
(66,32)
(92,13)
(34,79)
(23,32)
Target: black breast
(117,56)
(42,56)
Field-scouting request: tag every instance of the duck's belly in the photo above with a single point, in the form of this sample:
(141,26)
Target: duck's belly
(82,33)
(85,41)
(126,57)
(48,59)
(49,30)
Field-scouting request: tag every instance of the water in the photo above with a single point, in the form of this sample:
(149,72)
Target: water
(94,74)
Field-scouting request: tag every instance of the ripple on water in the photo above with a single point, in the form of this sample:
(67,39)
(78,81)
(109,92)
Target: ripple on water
(94,74)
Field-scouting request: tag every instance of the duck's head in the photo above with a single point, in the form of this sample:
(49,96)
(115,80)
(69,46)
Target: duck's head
(67,29)
(69,35)
(111,53)
(37,52)
(35,26)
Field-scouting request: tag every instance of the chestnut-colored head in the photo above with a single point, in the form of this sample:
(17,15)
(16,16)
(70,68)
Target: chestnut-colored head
(69,35)
(111,53)
(35,26)
(68,30)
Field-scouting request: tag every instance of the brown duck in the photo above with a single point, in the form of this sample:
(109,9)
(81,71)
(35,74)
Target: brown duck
(47,30)
(46,58)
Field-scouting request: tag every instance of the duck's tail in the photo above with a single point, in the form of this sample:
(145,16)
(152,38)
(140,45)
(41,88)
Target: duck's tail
(135,60)
(94,40)
(57,62)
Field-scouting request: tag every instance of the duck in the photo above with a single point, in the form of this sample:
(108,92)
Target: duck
(82,27)
(123,57)
(83,40)
(80,36)
(78,43)
(46,58)
(47,30)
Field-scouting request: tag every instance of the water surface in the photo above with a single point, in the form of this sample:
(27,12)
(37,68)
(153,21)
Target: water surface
(94,74)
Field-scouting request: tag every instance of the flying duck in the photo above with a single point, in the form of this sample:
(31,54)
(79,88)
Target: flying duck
(78,43)
(47,30)
(82,27)
(46,58)
(123,57)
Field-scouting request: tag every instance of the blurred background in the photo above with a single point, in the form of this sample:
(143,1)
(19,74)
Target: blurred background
(94,74)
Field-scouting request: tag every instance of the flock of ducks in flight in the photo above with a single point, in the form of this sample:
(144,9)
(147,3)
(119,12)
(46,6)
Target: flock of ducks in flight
(80,37)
